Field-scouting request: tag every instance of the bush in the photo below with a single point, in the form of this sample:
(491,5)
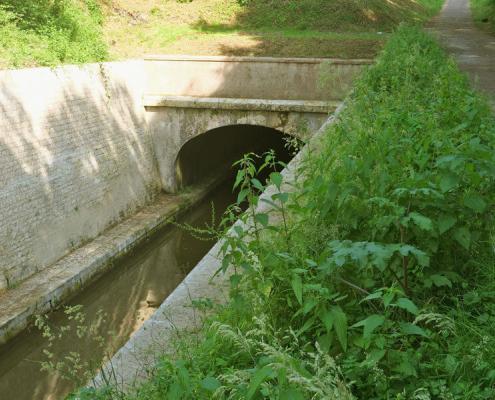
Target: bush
(49,32)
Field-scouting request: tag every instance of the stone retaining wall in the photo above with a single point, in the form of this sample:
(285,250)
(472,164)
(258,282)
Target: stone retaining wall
(75,157)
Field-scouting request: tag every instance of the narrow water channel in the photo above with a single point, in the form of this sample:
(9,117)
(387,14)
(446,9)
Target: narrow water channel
(127,295)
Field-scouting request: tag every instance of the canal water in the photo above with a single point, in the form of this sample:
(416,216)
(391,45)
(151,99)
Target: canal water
(127,295)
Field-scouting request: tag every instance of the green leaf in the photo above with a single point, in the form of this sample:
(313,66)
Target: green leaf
(411,329)
(296,284)
(257,184)
(475,202)
(448,181)
(258,378)
(325,342)
(239,178)
(340,325)
(463,236)
(276,179)
(327,318)
(210,383)
(375,295)
(440,280)
(387,298)
(374,357)
(407,305)
(445,222)
(242,195)
(370,324)
(291,394)
(406,368)
(262,219)
(282,197)
(421,221)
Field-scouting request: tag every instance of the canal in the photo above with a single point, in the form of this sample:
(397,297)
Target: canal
(121,300)
(127,295)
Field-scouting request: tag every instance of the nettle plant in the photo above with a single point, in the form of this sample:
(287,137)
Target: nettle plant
(405,187)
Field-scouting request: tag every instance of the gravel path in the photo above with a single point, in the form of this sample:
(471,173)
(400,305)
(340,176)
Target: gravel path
(473,49)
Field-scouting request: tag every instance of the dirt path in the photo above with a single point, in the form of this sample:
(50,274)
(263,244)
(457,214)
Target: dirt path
(473,49)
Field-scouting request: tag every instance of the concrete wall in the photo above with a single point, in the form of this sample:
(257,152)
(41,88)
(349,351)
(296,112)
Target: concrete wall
(76,153)
(75,157)
(171,128)
(252,77)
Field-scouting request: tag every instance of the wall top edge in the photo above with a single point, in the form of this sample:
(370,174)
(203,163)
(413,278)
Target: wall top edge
(82,66)
(291,60)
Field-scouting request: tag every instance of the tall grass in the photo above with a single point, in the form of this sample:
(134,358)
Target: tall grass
(484,13)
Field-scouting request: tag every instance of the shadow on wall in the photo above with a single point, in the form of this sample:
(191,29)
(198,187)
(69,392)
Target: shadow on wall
(214,152)
(75,157)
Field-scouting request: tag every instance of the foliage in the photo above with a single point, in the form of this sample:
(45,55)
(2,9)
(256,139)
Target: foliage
(50,32)
(72,366)
(374,277)
(290,28)
(484,13)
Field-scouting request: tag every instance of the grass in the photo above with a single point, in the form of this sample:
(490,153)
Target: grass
(348,29)
(484,13)
(378,282)
(50,32)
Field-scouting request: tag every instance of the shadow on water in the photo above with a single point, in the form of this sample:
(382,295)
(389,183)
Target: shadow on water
(130,292)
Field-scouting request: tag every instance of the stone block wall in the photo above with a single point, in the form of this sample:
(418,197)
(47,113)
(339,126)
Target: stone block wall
(75,157)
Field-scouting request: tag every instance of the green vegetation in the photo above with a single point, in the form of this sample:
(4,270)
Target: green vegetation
(484,13)
(50,32)
(378,281)
(327,28)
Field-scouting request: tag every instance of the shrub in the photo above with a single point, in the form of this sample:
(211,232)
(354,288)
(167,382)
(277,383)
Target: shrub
(48,32)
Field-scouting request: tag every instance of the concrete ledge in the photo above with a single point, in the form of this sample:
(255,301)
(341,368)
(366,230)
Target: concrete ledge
(306,106)
(281,60)
(46,290)
(135,361)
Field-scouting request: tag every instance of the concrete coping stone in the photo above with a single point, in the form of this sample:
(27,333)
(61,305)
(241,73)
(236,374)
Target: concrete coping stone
(136,360)
(308,106)
(280,60)
(49,288)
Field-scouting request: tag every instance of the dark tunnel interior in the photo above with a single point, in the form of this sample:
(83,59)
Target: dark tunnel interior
(214,152)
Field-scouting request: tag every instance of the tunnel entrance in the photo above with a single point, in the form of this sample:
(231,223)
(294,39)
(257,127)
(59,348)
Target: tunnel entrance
(213,153)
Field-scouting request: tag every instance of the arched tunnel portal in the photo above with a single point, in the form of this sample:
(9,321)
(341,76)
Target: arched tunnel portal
(212,153)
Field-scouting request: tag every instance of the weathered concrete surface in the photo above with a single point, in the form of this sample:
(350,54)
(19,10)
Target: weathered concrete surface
(172,127)
(77,154)
(228,104)
(75,157)
(186,96)
(46,290)
(252,77)
(473,49)
(136,361)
